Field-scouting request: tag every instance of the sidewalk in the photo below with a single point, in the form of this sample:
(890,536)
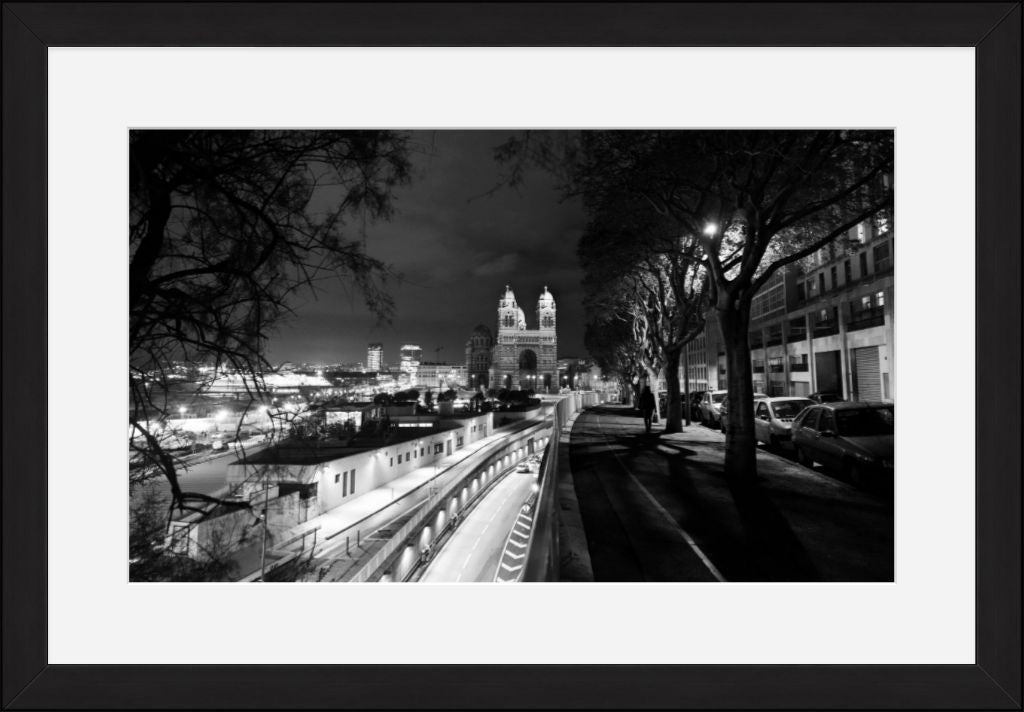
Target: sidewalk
(791,524)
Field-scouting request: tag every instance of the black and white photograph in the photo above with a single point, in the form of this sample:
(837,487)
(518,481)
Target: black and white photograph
(511,356)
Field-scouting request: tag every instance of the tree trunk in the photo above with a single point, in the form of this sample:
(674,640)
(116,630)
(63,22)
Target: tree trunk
(674,414)
(686,388)
(740,443)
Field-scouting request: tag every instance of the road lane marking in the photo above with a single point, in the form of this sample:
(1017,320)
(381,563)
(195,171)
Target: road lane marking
(516,543)
(686,536)
(468,557)
(510,568)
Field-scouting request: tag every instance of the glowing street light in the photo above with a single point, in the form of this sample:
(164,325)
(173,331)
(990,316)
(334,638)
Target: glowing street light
(710,229)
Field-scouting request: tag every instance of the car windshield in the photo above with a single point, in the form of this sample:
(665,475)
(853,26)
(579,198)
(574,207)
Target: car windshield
(717,397)
(789,409)
(865,421)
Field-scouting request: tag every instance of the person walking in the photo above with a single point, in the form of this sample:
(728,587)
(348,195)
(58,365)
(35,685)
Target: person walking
(647,407)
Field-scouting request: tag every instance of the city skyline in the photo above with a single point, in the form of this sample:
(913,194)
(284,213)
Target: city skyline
(458,237)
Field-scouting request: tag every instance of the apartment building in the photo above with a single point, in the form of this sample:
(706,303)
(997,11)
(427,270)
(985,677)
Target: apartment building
(825,324)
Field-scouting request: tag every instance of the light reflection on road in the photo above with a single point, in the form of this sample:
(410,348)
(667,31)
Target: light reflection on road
(472,552)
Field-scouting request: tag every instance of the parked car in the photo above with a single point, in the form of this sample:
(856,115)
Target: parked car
(710,404)
(695,398)
(853,438)
(723,412)
(773,418)
(825,397)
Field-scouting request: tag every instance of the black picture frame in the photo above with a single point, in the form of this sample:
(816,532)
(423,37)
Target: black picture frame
(993,29)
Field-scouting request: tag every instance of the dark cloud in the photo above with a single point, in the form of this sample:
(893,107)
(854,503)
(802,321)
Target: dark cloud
(456,242)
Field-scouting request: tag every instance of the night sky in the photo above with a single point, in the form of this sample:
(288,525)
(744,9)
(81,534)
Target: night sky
(456,249)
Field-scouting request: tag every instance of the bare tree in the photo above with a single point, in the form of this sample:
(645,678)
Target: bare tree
(225,228)
(755,202)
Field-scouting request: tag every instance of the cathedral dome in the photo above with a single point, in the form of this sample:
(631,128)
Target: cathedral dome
(546,300)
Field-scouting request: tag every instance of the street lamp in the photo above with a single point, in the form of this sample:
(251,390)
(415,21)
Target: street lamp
(710,229)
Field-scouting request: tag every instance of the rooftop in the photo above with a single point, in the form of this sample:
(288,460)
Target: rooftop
(311,452)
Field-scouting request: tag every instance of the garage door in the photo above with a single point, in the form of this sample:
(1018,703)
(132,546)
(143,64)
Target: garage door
(869,380)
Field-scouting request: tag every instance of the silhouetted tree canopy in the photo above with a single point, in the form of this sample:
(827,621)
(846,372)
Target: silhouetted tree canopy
(225,228)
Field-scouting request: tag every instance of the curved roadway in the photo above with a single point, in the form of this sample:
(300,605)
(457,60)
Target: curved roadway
(475,547)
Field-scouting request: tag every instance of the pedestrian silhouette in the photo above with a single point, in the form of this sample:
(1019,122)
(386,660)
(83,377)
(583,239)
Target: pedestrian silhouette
(647,407)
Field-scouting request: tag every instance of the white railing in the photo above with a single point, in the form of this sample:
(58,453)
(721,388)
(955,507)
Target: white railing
(542,559)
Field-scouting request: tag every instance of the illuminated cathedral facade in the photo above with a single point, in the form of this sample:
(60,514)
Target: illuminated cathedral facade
(525,359)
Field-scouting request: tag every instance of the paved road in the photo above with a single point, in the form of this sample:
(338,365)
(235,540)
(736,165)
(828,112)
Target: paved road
(656,508)
(473,550)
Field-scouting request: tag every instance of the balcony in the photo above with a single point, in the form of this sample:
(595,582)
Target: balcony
(867,318)
(797,365)
(826,328)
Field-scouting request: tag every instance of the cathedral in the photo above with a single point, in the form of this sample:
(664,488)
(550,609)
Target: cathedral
(518,358)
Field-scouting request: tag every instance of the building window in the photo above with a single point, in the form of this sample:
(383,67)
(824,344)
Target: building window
(798,363)
(352,481)
(821,282)
(865,302)
(835,278)
(879,299)
(847,271)
(344,486)
(801,292)
(337,477)
(863,264)
(797,329)
(392,462)
(882,259)
(421,451)
(407,456)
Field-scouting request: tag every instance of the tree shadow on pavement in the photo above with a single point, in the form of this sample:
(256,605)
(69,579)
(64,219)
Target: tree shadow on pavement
(760,546)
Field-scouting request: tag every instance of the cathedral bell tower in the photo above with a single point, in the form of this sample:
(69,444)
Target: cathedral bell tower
(508,311)
(546,312)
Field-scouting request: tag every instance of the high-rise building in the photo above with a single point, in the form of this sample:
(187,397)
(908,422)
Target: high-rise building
(374,357)
(410,362)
